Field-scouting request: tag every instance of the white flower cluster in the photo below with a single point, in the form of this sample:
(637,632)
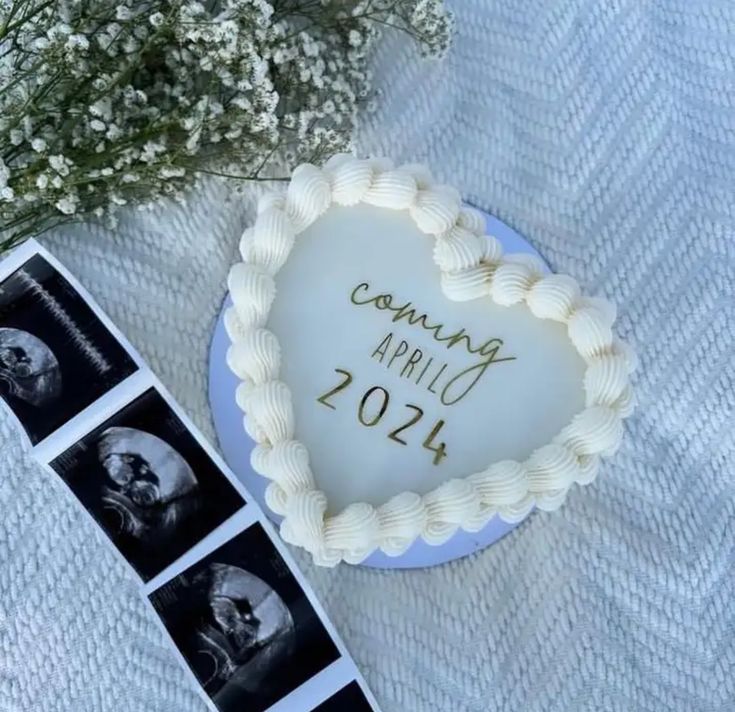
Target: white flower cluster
(105,103)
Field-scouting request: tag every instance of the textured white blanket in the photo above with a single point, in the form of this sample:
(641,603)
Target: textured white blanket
(603,131)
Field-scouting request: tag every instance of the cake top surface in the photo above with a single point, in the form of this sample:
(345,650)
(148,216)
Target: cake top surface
(400,376)
(360,295)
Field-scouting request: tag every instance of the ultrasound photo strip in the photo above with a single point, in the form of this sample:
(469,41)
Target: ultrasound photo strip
(241,617)
(351,698)
(148,483)
(58,353)
(246,626)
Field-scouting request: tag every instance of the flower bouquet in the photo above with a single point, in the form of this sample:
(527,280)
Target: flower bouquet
(105,103)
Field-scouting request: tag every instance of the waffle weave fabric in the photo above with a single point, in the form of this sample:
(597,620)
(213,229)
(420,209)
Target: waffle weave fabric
(604,131)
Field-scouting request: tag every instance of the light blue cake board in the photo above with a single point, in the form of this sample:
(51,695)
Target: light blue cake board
(236,446)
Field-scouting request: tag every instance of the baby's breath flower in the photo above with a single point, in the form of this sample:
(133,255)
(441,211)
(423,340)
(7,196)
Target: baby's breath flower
(77,41)
(102,105)
(172,172)
(60,164)
(67,205)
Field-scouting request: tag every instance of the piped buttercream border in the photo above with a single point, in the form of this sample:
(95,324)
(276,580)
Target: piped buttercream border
(472,265)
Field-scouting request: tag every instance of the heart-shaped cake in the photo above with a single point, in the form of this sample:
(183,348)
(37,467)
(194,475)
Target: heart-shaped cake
(401,377)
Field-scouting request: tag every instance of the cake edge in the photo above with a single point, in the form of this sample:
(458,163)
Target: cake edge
(472,265)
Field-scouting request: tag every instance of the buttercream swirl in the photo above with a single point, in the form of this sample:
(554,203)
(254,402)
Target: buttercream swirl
(535,266)
(501,484)
(435,209)
(421,174)
(553,297)
(252,290)
(551,468)
(625,405)
(472,220)
(272,240)
(518,511)
(256,357)
(269,406)
(235,329)
(510,283)
(466,284)
(588,467)
(472,265)
(356,529)
(458,249)
(303,523)
(449,506)
(605,379)
(309,195)
(595,430)
(492,250)
(395,190)
(246,245)
(289,462)
(350,179)
(402,518)
(590,330)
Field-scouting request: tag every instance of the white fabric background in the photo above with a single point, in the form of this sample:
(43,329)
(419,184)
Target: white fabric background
(604,132)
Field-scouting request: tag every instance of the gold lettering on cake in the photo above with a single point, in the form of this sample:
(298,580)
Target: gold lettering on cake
(413,359)
(381,411)
(402,348)
(383,397)
(323,399)
(382,347)
(440,450)
(430,387)
(449,388)
(417,415)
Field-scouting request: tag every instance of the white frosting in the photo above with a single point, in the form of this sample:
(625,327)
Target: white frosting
(553,297)
(309,195)
(472,220)
(590,329)
(396,190)
(435,209)
(458,250)
(466,284)
(471,266)
(252,290)
(255,357)
(400,518)
(502,484)
(272,239)
(511,282)
(268,406)
(288,460)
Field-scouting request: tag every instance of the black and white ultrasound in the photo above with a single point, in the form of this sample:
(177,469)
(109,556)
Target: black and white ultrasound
(239,616)
(148,483)
(350,698)
(56,355)
(244,624)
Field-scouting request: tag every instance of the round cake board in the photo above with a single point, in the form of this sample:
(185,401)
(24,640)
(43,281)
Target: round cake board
(236,446)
